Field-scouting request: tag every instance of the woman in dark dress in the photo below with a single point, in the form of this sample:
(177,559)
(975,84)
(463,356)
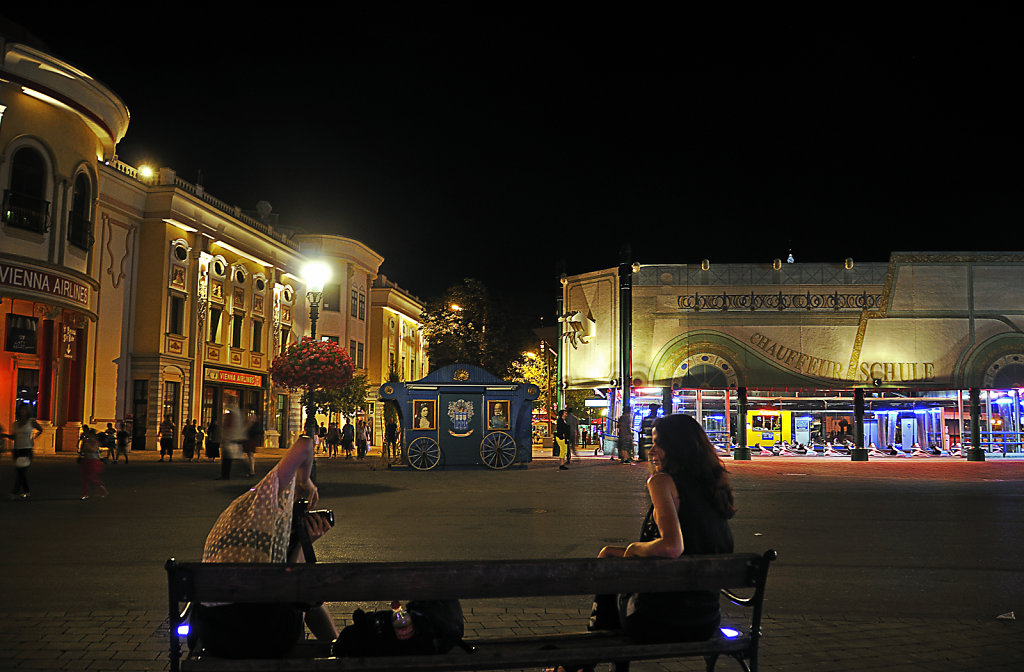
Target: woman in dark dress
(212,440)
(691,504)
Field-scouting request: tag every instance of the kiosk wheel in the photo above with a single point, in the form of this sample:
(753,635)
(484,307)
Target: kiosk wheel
(424,453)
(498,450)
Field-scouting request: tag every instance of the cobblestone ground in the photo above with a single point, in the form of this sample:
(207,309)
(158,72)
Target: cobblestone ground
(137,641)
(81,636)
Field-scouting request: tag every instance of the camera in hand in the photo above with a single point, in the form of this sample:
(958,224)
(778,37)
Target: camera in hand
(300,535)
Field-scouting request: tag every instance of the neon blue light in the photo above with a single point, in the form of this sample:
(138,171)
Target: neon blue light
(729,633)
(183,630)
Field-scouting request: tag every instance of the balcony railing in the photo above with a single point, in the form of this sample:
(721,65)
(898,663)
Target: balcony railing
(26,212)
(80,231)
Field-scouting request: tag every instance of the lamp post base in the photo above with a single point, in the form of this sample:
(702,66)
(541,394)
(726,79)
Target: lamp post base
(858,454)
(975,455)
(741,453)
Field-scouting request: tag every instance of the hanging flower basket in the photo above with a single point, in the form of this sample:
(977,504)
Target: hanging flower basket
(312,365)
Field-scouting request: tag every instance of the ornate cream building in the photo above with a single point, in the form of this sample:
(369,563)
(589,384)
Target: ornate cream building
(130,294)
(932,345)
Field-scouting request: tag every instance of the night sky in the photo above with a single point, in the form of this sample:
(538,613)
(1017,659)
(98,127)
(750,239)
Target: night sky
(495,146)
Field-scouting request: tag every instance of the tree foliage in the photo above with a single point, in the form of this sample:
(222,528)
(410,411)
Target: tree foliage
(466,325)
(346,399)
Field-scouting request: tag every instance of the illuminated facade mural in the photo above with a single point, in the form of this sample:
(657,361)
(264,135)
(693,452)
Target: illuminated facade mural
(923,325)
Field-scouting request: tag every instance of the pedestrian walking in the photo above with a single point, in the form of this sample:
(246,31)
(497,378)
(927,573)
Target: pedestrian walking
(561,438)
(24,433)
(90,466)
(391,439)
(168,437)
(253,440)
(200,440)
(625,439)
(213,440)
(234,435)
(573,436)
(348,437)
(362,440)
(333,439)
(188,440)
(121,442)
(108,440)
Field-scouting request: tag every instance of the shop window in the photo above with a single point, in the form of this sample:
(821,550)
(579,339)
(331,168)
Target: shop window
(332,339)
(28,389)
(216,316)
(79,221)
(176,315)
(172,396)
(332,297)
(257,336)
(362,306)
(236,330)
(25,206)
(209,405)
(21,334)
(140,413)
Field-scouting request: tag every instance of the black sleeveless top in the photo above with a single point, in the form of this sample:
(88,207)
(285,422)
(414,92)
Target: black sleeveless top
(690,614)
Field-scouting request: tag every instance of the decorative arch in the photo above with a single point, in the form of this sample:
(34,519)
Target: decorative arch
(997,363)
(697,361)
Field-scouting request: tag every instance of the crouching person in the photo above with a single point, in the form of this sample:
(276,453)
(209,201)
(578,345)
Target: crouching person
(257,527)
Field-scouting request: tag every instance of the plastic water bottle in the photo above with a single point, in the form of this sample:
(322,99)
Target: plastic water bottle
(401,621)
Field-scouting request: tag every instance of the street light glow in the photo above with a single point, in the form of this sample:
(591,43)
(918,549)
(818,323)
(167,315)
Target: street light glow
(456,307)
(316,274)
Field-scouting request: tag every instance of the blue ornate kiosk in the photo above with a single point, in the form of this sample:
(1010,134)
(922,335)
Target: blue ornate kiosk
(463,415)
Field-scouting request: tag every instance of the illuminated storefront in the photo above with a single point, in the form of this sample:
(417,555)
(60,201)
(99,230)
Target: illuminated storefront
(924,352)
(57,255)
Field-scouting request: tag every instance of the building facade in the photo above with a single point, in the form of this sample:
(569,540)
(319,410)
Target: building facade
(130,294)
(58,257)
(396,341)
(925,350)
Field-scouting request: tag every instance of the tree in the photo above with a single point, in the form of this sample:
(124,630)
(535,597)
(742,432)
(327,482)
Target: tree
(346,399)
(467,326)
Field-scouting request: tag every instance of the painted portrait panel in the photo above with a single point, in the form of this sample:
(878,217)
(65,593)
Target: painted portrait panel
(497,415)
(424,414)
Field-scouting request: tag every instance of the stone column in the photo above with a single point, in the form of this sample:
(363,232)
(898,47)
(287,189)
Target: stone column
(742,451)
(859,453)
(975,453)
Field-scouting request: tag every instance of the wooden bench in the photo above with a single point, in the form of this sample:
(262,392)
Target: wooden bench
(382,582)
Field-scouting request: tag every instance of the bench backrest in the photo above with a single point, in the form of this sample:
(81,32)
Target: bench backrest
(350,582)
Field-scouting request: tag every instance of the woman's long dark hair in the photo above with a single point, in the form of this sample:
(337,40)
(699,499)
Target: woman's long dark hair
(688,452)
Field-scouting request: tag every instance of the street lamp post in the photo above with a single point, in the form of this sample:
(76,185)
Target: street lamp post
(315,274)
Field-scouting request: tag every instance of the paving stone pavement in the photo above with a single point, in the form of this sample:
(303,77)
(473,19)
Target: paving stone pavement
(115,641)
(84,639)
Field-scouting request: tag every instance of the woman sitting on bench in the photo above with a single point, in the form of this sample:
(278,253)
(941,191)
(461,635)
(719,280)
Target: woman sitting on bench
(691,504)
(257,527)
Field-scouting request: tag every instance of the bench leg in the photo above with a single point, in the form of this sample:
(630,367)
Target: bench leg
(620,666)
(709,662)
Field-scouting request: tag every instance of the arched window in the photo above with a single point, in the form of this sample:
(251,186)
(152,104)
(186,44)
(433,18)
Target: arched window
(79,220)
(25,205)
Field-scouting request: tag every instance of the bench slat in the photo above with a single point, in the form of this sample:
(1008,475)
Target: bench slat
(352,582)
(491,655)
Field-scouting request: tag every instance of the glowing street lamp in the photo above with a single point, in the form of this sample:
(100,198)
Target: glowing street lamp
(315,274)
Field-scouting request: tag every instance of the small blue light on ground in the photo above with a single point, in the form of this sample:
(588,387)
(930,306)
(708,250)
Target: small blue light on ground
(729,633)
(183,630)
